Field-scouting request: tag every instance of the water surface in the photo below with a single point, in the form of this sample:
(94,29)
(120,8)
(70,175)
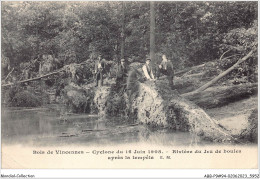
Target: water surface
(46,126)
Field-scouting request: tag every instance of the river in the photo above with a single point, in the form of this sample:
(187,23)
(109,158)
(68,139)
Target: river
(46,126)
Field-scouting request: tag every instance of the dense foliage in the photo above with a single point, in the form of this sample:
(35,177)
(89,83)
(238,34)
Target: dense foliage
(188,32)
(17,96)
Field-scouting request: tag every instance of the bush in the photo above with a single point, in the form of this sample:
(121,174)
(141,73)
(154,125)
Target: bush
(26,99)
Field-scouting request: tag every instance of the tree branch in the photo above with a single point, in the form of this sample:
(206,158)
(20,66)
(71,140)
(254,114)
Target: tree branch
(223,54)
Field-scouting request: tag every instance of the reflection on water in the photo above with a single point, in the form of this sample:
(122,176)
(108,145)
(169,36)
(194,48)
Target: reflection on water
(44,126)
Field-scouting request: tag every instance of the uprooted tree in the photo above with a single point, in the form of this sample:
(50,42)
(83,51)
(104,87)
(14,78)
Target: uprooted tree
(187,34)
(154,103)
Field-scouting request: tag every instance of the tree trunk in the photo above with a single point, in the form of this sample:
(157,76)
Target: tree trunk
(40,77)
(220,96)
(33,79)
(156,104)
(152,32)
(179,73)
(123,31)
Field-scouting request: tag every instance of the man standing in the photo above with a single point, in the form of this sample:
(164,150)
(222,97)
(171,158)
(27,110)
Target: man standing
(147,69)
(166,68)
(121,75)
(99,67)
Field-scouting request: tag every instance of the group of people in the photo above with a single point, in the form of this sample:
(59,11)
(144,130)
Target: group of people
(165,68)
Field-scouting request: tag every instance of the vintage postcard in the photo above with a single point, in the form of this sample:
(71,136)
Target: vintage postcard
(129,85)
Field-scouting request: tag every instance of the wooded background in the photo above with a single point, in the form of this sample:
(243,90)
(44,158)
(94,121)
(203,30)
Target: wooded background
(189,33)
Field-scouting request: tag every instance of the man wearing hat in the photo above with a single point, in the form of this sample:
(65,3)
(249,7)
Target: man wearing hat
(99,67)
(166,68)
(121,75)
(147,69)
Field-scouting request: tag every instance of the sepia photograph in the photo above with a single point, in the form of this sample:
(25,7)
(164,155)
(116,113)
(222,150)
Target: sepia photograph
(129,84)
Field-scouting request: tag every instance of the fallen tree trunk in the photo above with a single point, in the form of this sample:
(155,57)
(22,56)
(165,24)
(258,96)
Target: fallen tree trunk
(188,83)
(220,96)
(224,73)
(155,104)
(42,76)
(33,79)
(198,67)
(158,105)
